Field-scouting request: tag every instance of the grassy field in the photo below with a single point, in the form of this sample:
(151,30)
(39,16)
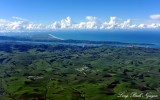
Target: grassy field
(63,72)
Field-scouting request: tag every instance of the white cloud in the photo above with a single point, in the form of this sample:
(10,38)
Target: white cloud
(92,23)
(33,27)
(55,25)
(91,18)
(66,23)
(154,25)
(113,24)
(19,18)
(155,17)
(3,21)
(126,24)
(141,26)
(104,25)
(112,21)
(20,25)
(63,24)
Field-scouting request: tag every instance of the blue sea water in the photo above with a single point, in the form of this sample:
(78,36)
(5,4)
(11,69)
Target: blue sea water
(152,37)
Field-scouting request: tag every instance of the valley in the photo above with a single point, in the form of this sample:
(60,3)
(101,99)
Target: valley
(70,72)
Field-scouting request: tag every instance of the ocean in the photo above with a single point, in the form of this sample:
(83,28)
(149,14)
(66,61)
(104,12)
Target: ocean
(151,37)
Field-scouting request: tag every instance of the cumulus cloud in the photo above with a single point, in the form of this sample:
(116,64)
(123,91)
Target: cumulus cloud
(66,23)
(153,25)
(112,20)
(55,25)
(22,25)
(19,25)
(104,25)
(126,24)
(155,17)
(3,21)
(112,23)
(91,18)
(92,23)
(141,26)
(63,24)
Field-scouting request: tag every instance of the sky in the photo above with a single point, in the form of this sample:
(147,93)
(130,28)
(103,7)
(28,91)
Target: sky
(38,15)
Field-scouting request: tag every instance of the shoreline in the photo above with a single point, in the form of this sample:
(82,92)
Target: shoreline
(77,42)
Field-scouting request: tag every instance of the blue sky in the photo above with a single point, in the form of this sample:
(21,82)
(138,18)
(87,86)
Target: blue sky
(48,11)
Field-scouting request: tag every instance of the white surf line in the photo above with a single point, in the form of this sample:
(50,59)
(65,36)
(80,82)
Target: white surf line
(55,37)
